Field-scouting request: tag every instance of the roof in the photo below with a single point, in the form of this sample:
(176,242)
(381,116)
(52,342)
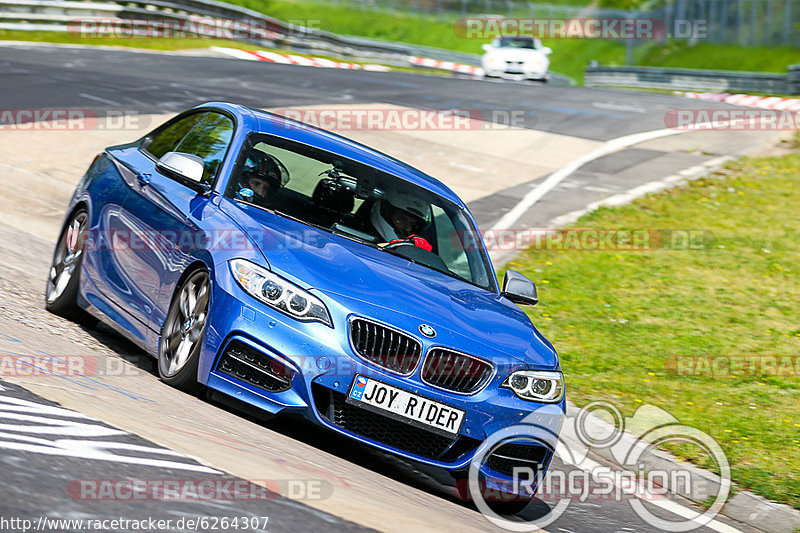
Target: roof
(270,123)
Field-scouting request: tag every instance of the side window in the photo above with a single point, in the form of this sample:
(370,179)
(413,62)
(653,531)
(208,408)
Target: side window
(450,245)
(209,139)
(166,140)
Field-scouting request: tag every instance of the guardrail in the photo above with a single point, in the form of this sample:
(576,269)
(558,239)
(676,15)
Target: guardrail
(56,15)
(725,81)
(736,22)
(793,79)
(66,15)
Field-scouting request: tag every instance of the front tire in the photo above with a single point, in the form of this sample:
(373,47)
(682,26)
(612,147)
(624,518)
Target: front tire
(183,332)
(61,294)
(509,508)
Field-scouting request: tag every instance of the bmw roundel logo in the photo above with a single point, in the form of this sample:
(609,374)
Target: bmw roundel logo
(428,331)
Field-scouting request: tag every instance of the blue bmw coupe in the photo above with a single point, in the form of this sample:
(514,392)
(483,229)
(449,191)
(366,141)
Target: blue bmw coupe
(301,272)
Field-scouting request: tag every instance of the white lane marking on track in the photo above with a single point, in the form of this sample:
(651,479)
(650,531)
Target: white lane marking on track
(598,189)
(618,107)
(684,512)
(590,465)
(651,186)
(510,218)
(50,432)
(99,99)
(466,167)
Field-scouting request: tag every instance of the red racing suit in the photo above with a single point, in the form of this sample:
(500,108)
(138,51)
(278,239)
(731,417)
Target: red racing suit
(416,240)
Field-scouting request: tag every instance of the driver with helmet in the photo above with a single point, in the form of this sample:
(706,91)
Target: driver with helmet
(262,176)
(400,218)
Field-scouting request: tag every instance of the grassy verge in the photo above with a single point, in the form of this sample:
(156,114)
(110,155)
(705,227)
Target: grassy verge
(570,56)
(167,44)
(160,43)
(619,319)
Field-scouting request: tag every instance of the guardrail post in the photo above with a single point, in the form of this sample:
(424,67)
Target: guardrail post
(793,79)
(768,24)
(740,24)
(787,21)
(668,21)
(681,10)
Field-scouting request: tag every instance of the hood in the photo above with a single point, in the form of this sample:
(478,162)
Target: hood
(354,278)
(516,54)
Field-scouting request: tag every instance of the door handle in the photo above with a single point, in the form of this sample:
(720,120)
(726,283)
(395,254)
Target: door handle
(143,179)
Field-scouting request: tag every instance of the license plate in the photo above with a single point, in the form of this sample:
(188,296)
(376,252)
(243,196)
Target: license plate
(406,406)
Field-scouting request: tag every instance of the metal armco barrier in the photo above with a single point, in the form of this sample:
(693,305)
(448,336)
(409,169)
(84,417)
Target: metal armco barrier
(726,81)
(66,15)
(793,79)
(59,15)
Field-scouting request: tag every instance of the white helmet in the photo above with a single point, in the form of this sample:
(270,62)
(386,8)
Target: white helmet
(405,201)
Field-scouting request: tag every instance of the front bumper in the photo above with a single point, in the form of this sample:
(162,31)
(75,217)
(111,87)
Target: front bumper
(517,71)
(321,368)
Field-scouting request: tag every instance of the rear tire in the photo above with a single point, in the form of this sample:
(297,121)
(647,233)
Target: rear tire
(63,280)
(183,332)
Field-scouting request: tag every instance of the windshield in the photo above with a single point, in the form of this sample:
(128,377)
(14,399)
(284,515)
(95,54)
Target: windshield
(515,42)
(361,203)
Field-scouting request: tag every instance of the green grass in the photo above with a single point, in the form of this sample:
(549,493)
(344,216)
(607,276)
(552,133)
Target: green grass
(169,44)
(617,317)
(570,56)
(718,56)
(161,43)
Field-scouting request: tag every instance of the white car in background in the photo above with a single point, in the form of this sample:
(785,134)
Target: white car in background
(516,58)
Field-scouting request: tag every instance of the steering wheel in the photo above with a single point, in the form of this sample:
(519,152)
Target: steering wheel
(412,252)
(401,244)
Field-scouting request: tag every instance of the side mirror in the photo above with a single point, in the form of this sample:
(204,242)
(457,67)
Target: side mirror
(185,167)
(547,50)
(486,47)
(519,289)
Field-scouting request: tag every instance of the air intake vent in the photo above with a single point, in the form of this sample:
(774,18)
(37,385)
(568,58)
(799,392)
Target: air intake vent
(251,366)
(506,457)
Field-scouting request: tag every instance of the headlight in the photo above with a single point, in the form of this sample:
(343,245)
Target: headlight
(537,385)
(279,293)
